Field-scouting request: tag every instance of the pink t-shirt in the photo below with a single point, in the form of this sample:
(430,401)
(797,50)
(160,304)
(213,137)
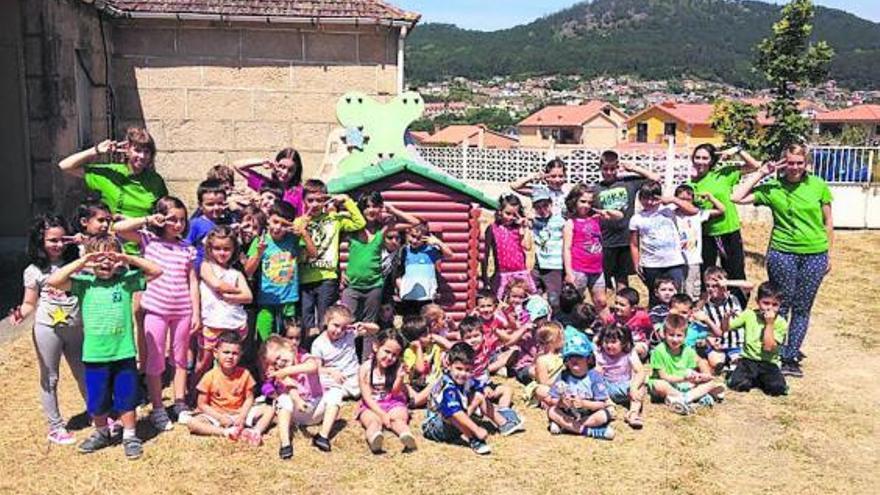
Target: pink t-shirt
(586,245)
(168,295)
(615,369)
(509,254)
(308,384)
(292,195)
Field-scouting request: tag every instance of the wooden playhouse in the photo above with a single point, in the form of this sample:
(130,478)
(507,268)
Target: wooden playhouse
(452,210)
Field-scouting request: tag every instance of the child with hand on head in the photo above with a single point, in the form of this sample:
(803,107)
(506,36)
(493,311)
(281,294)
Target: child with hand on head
(418,285)
(439,323)
(553,177)
(223,291)
(655,243)
(679,378)
(57,322)
(690,231)
(212,205)
(624,374)
(548,364)
(582,242)
(579,398)
(547,227)
(236,199)
(108,352)
(336,352)
(508,240)
(722,306)
(422,359)
(225,395)
(626,312)
(171,303)
(764,331)
(275,254)
(383,395)
(285,173)
(325,218)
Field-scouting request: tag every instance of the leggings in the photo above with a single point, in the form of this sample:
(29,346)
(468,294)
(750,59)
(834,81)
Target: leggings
(799,277)
(50,343)
(156,331)
(729,249)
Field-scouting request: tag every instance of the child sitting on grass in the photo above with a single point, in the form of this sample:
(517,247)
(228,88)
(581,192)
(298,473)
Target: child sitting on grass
(423,359)
(579,398)
(763,332)
(105,295)
(702,333)
(679,377)
(548,364)
(623,371)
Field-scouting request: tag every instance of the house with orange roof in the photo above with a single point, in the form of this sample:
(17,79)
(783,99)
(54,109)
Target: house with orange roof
(473,136)
(865,116)
(595,124)
(688,123)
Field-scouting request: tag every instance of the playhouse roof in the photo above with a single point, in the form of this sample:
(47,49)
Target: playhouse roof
(388,168)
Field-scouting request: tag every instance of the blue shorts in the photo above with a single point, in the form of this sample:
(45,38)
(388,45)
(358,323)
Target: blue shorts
(111,386)
(436,429)
(618,392)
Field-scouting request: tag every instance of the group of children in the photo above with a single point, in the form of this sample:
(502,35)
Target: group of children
(238,307)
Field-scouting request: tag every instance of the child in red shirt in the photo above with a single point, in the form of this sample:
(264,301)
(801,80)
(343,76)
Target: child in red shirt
(626,311)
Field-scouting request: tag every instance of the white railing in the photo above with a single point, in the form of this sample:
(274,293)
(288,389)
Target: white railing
(835,164)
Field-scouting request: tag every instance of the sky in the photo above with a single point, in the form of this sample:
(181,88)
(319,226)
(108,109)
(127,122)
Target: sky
(489,15)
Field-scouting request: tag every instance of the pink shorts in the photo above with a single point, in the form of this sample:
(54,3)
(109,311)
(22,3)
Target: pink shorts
(156,331)
(386,404)
(505,278)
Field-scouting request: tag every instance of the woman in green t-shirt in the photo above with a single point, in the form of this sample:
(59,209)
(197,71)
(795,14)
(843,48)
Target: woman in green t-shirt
(803,230)
(721,235)
(130,188)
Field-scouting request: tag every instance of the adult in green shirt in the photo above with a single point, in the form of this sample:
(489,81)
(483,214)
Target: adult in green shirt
(803,231)
(129,188)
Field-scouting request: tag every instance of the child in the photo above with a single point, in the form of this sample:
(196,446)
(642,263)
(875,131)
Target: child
(579,397)
(654,240)
(493,323)
(537,310)
(439,323)
(92,218)
(105,295)
(275,253)
(554,177)
(622,369)
(764,331)
(335,350)
(582,243)
(212,204)
(318,277)
(569,300)
(57,322)
(292,376)
(269,194)
(507,241)
(286,171)
(236,199)
(722,306)
(170,303)
(627,313)
(664,288)
(223,292)
(548,364)
(383,395)
(226,395)
(547,234)
(702,333)
(392,257)
(418,285)
(251,224)
(690,231)
(422,358)
(679,377)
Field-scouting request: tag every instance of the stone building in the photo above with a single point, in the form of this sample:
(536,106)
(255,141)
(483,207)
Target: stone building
(212,81)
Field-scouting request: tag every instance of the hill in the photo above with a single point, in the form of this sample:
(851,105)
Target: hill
(656,39)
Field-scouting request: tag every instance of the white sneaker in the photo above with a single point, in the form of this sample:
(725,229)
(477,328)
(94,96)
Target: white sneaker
(184,417)
(60,436)
(160,419)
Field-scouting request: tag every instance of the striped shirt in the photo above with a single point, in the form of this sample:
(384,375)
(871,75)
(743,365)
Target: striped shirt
(717,310)
(168,295)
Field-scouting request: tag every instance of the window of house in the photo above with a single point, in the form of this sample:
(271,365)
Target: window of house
(669,129)
(642,132)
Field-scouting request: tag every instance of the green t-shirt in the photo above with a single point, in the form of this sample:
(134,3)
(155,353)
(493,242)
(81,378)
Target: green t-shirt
(798,223)
(364,270)
(753,330)
(719,182)
(673,365)
(125,194)
(108,333)
(324,231)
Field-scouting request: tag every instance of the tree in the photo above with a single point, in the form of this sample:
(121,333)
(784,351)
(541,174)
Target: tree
(789,61)
(737,121)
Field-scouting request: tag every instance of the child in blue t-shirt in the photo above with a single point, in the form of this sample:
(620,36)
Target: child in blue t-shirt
(418,285)
(579,397)
(275,254)
(212,205)
(547,227)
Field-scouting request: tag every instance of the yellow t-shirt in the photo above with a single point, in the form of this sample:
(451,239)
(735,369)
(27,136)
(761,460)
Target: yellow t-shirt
(433,354)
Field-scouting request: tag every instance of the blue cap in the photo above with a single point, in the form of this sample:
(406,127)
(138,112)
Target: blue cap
(537,307)
(540,192)
(577,344)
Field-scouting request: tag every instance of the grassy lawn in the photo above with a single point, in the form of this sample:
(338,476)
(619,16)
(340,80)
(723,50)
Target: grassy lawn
(823,438)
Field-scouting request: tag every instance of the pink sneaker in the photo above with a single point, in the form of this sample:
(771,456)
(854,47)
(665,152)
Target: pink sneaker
(60,436)
(251,436)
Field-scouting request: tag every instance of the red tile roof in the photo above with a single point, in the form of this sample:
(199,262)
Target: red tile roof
(857,113)
(456,134)
(419,136)
(308,9)
(687,113)
(567,115)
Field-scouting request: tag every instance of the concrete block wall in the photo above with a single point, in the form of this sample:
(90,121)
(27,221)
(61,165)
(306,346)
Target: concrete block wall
(214,93)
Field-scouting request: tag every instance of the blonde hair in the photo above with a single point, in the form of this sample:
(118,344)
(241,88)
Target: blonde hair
(799,149)
(516,283)
(337,310)
(432,311)
(273,342)
(548,333)
(103,243)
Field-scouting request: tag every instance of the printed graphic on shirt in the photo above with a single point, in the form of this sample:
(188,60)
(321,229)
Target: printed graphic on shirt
(615,198)
(323,232)
(280,267)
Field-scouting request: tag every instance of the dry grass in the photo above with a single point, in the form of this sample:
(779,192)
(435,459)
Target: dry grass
(823,438)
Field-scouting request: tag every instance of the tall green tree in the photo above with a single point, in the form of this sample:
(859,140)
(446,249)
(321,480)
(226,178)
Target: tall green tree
(789,61)
(737,121)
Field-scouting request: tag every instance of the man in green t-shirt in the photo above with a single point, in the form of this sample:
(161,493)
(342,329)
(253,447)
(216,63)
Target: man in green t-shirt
(764,331)
(105,294)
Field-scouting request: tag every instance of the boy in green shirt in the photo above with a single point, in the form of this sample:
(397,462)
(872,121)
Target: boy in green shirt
(105,293)
(679,377)
(764,331)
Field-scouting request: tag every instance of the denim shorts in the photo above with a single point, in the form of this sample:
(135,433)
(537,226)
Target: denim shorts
(618,392)
(436,429)
(111,386)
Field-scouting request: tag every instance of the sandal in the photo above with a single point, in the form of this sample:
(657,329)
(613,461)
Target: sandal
(634,420)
